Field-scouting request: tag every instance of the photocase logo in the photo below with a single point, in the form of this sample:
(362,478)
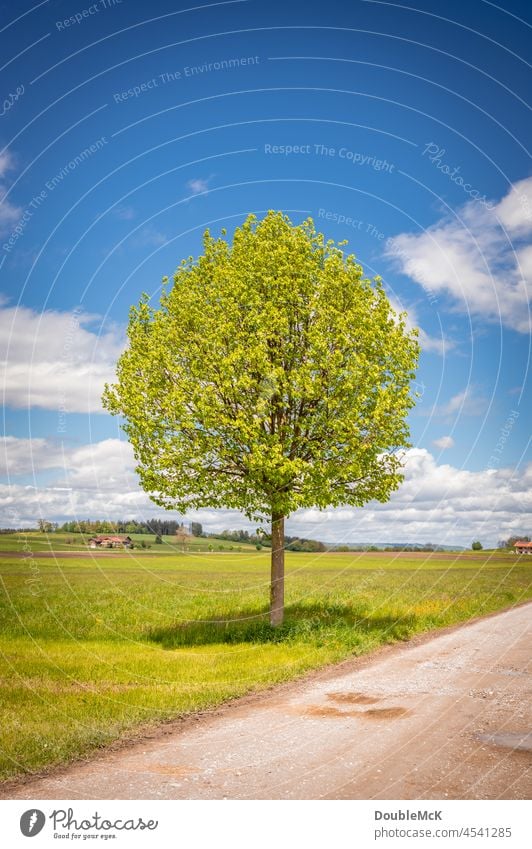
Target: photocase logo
(32,822)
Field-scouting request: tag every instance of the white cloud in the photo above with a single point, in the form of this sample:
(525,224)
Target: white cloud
(150,237)
(101,465)
(124,213)
(470,258)
(515,209)
(5,163)
(9,213)
(465,403)
(55,360)
(23,456)
(107,466)
(444,442)
(437,503)
(198,185)
(435,344)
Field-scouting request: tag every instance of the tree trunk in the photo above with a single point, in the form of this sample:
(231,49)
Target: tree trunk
(277,576)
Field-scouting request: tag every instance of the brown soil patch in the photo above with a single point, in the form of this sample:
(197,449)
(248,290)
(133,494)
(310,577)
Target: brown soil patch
(318,710)
(353,698)
(168,769)
(385,713)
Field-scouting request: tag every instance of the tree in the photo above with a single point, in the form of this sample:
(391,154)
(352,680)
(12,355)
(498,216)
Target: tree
(510,542)
(272,376)
(197,529)
(182,537)
(476,546)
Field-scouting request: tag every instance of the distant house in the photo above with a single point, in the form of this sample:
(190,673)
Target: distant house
(110,541)
(522,547)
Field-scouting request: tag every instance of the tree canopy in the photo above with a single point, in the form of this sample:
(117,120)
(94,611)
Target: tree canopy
(273,375)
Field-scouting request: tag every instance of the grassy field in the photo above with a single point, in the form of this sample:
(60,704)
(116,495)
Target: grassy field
(93,649)
(35,541)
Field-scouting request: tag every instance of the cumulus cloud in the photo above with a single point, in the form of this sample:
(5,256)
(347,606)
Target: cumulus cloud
(96,480)
(515,209)
(23,456)
(9,213)
(6,163)
(444,442)
(106,466)
(468,402)
(436,502)
(481,258)
(198,185)
(55,360)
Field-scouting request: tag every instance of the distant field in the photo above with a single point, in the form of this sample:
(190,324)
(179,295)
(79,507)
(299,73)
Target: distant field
(192,544)
(59,541)
(94,649)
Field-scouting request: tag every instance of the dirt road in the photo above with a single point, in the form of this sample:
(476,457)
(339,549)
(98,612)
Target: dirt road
(444,717)
(25,555)
(456,557)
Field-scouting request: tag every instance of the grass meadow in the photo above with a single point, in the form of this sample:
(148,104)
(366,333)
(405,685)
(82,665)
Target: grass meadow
(96,648)
(60,541)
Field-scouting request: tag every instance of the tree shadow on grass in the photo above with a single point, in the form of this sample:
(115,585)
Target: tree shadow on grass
(313,623)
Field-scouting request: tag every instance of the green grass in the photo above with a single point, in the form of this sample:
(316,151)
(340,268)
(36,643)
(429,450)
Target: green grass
(34,541)
(192,544)
(93,649)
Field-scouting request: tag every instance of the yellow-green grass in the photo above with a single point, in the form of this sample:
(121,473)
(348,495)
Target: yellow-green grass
(94,649)
(34,541)
(190,544)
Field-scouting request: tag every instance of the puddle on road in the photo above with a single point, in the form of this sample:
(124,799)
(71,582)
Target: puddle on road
(354,698)
(521,742)
(371,713)
(385,713)
(326,710)
(175,770)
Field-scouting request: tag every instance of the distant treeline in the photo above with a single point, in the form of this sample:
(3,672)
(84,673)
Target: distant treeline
(159,527)
(427,547)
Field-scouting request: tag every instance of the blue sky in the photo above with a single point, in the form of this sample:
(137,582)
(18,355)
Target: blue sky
(127,129)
